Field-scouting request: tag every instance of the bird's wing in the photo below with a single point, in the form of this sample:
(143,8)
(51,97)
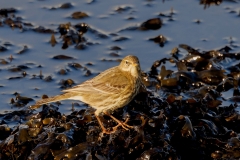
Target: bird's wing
(111,81)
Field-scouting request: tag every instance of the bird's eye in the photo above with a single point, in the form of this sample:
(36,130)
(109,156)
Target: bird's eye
(126,62)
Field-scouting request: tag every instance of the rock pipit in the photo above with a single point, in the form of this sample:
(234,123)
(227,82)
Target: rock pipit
(111,89)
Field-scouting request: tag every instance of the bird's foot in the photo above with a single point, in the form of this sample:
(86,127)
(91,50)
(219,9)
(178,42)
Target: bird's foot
(107,131)
(123,124)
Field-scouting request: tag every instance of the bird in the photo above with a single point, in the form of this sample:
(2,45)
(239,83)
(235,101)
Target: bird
(112,89)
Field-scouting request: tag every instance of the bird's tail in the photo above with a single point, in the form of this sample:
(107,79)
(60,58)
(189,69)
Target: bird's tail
(52,99)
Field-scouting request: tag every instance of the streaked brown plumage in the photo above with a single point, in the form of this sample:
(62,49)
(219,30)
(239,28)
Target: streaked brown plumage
(112,89)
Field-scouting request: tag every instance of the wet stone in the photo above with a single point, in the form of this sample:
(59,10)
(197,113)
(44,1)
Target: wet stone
(48,79)
(22,99)
(25,48)
(67,83)
(118,39)
(81,47)
(88,73)
(82,28)
(79,15)
(130,18)
(5,11)
(75,65)
(62,57)
(28,24)
(23,66)
(2,48)
(62,72)
(3,61)
(15,69)
(115,48)
(89,64)
(24,73)
(114,54)
(44,96)
(17,77)
(63,28)
(152,24)
(98,33)
(123,8)
(207,3)
(42,29)
(161,40)
(66,6)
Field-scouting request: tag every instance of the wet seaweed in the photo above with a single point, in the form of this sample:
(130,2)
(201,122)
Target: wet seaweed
(188,122)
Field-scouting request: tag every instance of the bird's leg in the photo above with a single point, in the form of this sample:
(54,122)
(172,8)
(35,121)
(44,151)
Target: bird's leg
(104,130)
(123,124)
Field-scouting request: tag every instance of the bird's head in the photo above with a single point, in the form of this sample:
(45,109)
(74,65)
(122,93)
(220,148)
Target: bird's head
(131,64)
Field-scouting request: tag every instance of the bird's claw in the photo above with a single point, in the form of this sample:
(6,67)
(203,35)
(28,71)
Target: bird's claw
(124,125)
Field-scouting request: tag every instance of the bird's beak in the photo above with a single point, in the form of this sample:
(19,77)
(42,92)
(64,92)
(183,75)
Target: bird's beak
(135,64)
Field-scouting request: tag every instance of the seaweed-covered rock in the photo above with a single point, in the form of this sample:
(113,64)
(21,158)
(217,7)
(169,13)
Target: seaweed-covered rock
(179,116)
